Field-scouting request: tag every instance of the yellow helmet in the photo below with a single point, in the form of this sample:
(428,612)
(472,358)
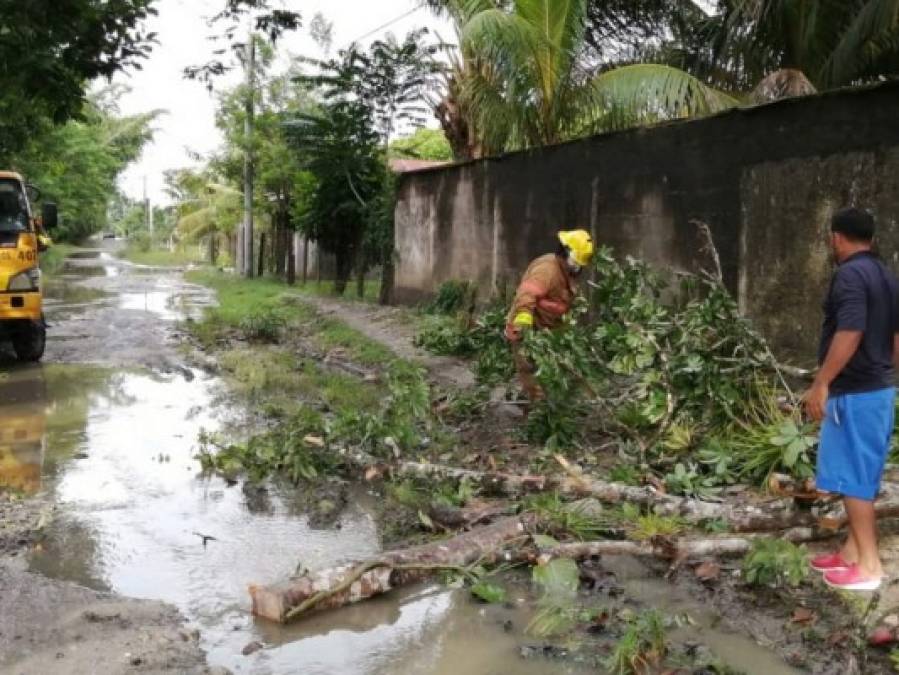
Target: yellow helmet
(580,243)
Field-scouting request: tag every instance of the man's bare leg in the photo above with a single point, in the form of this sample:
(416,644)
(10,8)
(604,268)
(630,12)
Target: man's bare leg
(863,529)
(849,552)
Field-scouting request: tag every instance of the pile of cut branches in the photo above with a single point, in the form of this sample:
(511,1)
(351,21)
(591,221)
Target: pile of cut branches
(666,366)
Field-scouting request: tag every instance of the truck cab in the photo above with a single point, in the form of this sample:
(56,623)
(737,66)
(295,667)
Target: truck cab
(21,301)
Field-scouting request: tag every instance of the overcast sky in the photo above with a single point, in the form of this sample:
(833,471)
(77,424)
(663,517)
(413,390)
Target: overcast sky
(189,125)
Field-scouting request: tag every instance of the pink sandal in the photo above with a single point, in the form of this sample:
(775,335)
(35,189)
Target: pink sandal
(828,562)
(851,579)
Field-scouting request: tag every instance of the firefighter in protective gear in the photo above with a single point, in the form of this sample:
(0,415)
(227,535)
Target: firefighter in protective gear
(544,295)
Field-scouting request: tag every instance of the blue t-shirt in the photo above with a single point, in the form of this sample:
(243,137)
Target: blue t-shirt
(863,296)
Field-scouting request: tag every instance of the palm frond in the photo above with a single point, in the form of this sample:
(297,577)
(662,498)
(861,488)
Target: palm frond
(652,92)
(862,41)
(197,224)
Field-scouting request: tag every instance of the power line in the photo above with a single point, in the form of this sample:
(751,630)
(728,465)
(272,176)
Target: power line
(389,23)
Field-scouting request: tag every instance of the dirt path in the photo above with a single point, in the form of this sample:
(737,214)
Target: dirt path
(390,327)
(50,626)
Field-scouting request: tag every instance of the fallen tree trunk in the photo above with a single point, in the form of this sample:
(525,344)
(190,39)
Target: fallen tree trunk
(351,583)
(757,514)
(680,549)
(833,515)
(753,515)
(761,515)
(506,540)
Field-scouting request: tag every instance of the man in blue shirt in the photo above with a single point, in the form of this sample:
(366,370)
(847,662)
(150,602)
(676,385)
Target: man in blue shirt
(853,394)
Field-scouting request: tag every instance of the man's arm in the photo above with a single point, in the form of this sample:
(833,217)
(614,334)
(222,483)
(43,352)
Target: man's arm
(842,349)
(896,351)
(521,317)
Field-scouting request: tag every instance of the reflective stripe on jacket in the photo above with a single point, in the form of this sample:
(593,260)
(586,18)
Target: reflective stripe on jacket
(546,292)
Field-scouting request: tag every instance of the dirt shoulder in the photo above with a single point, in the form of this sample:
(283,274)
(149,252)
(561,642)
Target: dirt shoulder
(49,626)
(387,326)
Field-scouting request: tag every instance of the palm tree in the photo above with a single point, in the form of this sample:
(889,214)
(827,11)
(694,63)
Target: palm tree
(539,90)
(794,47)
(212,213)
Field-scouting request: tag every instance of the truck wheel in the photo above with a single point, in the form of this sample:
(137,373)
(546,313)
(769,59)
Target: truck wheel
(30,340)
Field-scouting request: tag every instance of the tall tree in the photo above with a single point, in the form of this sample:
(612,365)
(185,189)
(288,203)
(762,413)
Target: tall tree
(278,171)
(429,144)
(50,49)
(77,164)
(534,84)
(372,94)
(341,149)
(206,209)
(790,47)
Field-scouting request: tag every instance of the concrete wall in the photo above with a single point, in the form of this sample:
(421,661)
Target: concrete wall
(318,264)
(765,179)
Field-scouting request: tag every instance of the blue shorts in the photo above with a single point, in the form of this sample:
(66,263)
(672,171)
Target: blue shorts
(855,441)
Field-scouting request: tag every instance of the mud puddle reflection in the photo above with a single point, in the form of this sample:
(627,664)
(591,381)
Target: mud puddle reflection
(132,509)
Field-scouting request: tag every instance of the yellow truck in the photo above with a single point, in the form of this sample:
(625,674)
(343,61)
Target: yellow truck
(21,242)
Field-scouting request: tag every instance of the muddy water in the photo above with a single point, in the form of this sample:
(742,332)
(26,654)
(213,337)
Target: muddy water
(112,434)
(109,426)
(738,651)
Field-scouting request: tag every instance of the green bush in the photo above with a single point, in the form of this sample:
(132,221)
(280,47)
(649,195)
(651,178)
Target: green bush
(263,325)
(140,241)
(483,338)
(286,450)
(453,297)
(775,562)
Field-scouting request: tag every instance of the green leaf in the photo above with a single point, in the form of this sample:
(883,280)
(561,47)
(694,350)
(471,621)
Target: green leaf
(544,541)
(489,593)
(425,520)
(558,577)
(791,456)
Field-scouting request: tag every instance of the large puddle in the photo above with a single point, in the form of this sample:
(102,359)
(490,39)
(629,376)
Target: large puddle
(116,447)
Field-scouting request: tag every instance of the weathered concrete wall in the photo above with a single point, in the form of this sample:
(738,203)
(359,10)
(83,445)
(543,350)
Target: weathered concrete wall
(765,179)
(316,264)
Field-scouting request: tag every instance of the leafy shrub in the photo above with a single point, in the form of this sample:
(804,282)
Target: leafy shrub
(264,325)
(403,417)
(672,369)
(140,241)
(482,338)
(782,444)
(488,592)
(453,297)
(284,450)
(688,481)
(775,562)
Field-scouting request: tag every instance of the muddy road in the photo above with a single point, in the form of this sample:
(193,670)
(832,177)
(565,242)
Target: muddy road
(141,564)
(113,415)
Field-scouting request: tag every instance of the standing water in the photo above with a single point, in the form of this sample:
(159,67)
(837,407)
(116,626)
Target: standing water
(117,419)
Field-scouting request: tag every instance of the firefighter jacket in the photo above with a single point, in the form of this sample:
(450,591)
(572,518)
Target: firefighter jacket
(545,293)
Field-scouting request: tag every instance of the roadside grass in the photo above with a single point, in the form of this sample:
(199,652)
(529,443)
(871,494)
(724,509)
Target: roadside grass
(282,381)
(325,289)
(162,257)
(245,303)
(53,259)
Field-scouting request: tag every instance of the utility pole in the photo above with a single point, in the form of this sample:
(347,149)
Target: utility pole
(148,213)
(248,170)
